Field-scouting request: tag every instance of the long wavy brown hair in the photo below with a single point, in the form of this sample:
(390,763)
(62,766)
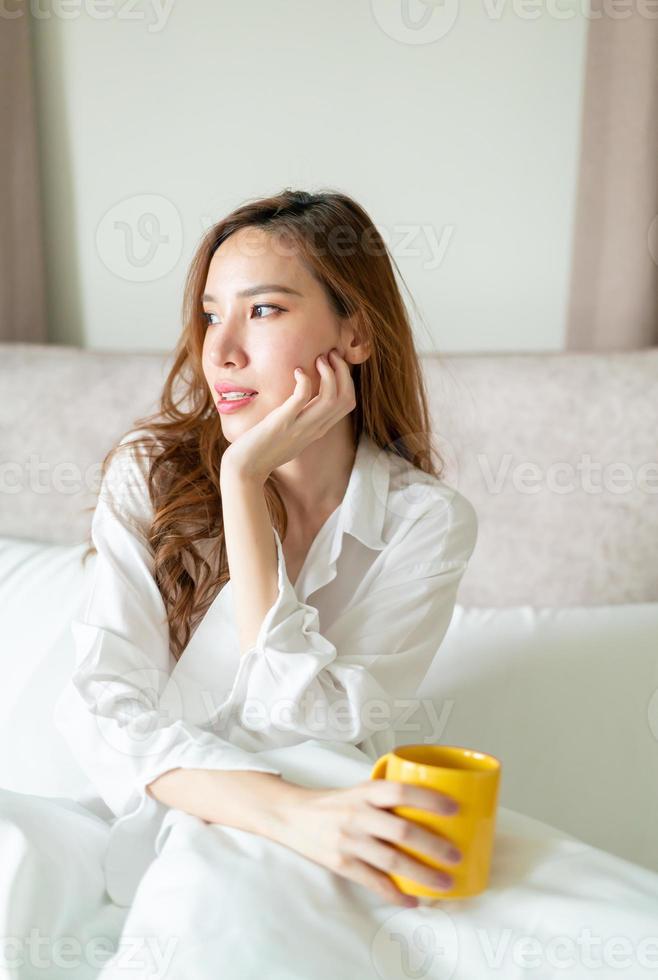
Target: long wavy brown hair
(183,440)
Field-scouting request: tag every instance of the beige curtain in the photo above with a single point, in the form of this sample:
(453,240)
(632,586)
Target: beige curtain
(22,292)
(614,289)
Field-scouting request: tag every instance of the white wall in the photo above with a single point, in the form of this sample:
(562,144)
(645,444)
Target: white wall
(464,128)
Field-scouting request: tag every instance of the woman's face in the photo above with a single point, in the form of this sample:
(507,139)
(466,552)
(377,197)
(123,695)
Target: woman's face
(258,340)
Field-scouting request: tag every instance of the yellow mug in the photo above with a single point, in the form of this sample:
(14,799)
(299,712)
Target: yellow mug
(468,776)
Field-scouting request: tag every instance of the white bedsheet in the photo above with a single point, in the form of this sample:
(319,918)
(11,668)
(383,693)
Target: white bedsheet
(225,904)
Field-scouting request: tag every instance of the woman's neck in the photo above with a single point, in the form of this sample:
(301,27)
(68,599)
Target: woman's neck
(314,483)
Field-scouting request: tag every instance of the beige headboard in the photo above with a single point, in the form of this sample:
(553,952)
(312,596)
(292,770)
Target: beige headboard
(558,452)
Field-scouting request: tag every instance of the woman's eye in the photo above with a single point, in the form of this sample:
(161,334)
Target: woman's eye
(257,306)
(262,306)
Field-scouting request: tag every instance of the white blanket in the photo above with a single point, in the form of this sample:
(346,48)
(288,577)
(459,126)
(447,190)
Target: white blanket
(225,904)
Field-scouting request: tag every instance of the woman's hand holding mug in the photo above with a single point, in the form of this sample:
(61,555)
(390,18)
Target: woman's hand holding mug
(353,832)
(437,844)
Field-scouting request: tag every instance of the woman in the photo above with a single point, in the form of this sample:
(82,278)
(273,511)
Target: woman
(332,439)
(273,577)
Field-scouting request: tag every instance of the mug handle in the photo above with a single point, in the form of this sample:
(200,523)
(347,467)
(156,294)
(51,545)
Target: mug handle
(380,766)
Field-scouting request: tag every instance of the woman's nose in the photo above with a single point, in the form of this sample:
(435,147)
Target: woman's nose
(226,347)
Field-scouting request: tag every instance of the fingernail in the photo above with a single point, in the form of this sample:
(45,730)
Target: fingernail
(410,901)
(451,807)
(454,855)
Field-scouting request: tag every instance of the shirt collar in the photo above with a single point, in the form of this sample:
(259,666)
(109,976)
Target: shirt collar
(361,513)
(363,508)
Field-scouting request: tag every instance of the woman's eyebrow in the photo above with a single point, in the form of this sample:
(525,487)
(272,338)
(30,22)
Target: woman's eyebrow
(255,290)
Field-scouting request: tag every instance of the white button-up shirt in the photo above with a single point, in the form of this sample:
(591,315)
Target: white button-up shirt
(338,656)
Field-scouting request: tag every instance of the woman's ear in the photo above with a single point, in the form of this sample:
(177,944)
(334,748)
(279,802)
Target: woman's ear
(354,347)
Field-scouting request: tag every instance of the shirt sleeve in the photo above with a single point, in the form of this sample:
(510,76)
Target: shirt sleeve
(357,677)
(111,711)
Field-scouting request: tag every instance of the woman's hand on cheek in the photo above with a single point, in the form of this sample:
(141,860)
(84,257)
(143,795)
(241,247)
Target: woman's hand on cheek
(292,426)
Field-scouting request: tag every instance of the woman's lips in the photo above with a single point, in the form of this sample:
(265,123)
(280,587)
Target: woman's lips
(225,407)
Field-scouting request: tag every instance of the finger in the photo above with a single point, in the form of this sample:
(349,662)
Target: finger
(324,409)
(328,385)
(392,792)
(338,363)
(302,399)
(377,881)
(330,404)
(403,830)
(344,382)
(391,860)
(303,386)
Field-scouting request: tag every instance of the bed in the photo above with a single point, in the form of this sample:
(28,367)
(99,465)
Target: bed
(551,659)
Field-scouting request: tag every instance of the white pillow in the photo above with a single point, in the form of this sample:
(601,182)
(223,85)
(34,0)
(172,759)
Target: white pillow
(568,700)
(42,587)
